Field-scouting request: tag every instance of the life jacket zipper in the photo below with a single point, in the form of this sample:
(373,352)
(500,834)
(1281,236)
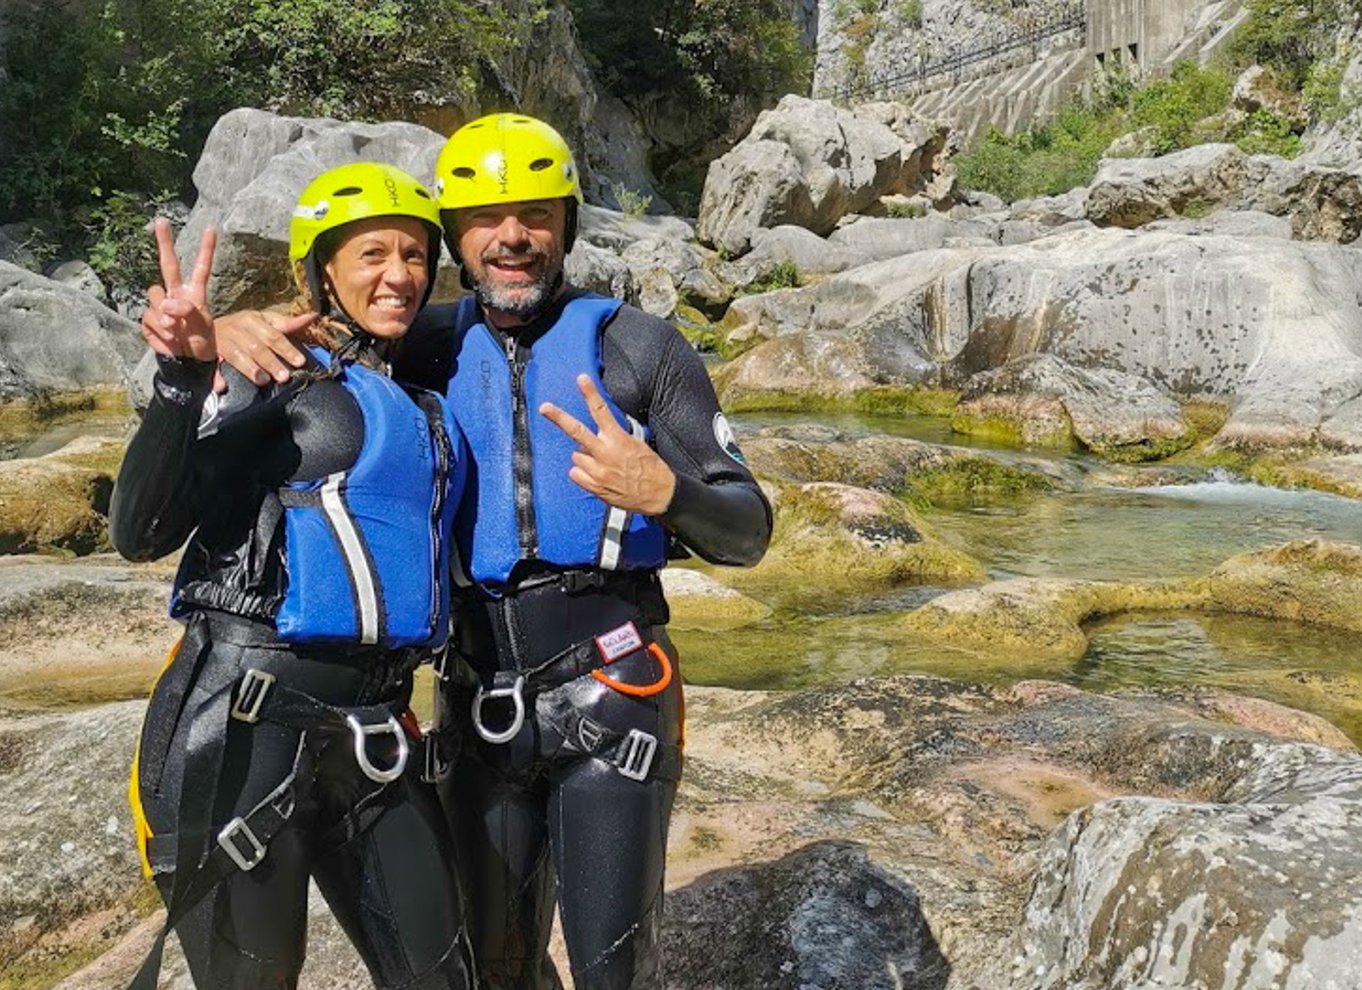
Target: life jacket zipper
(442,466)
(526,530)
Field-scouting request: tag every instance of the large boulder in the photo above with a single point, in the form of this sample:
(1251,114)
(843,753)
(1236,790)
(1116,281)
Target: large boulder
(1275,324)
(805,162)
(880,238)
(1322,203)
(1255,888)
(253,168)
(616,231)
(1130,192)
(1039,399)
(55,339)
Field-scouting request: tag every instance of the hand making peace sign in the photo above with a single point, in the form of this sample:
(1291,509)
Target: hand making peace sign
(613,464)
(178,323)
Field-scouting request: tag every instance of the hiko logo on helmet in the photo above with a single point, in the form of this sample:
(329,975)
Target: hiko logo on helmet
(304,212)
(390,185)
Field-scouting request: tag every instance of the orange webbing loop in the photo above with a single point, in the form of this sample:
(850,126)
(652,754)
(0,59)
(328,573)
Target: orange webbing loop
(641,690)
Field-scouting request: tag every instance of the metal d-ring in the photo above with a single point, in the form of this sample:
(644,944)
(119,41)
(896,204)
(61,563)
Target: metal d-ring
(516,692)
(361,734)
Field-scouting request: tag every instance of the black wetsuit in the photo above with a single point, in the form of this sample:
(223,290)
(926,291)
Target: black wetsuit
(564,799)
(379,852)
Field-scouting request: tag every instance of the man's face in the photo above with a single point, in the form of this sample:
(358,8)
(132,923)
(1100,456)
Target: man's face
(513,252)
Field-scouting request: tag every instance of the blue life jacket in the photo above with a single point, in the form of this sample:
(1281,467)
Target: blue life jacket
(522,505)
(367,549)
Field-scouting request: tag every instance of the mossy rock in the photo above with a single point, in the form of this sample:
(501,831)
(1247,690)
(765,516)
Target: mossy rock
(59,502)
(19,417)
(1036,618)
(1303,581)
(834,542)
(926,474)
(1025,420)
(699,602)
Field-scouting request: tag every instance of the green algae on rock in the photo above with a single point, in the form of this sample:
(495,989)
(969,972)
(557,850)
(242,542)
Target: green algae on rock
(59,502)
(834,541)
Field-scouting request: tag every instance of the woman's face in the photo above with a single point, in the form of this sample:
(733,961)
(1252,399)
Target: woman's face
(379,273)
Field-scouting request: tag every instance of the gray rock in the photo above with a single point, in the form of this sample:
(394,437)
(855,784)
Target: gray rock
(788,244)
(1130,192)
(598,270)
(20,244)
(1231,223)
(878,238)
(616,231)
(65,831)
(617,156)
(78,275)
(1256,89)
(1254,891)
(1053,211)
(825,916)
(675,257)
(808,163)
(705,291)
(1323,204)
(1112,412)
(54,338)
(253,168)
(1139,143)
(656,291)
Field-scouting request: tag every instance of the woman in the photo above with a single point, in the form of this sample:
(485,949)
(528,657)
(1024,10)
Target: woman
(276,742)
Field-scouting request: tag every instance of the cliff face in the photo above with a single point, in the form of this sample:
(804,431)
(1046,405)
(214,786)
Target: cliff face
(1337,139)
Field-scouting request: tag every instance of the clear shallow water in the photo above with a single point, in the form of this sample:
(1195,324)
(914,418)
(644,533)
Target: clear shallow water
(45,437)
(1089,532)
(1125,534)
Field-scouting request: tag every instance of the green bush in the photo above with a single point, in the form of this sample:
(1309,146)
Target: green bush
(120,94)
(1290,36)
(1174,105)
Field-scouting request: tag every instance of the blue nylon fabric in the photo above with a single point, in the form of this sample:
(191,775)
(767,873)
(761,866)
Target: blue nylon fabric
(569,521)
(388,494)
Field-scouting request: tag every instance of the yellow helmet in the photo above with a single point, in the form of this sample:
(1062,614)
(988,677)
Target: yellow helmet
(505,158)
(353,192)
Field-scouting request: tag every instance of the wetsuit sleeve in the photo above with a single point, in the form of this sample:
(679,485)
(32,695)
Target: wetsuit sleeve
(718,510)
(155,502)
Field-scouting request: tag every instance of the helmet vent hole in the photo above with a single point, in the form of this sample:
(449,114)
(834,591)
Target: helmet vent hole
(464,172)
(539,164)
(522,120)
(348,191)
(474,127)
(421,192)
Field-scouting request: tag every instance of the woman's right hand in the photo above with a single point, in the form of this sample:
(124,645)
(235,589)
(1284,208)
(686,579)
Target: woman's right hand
(178,323)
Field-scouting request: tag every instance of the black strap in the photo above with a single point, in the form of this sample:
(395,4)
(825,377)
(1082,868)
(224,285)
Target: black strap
(620,749)
(201,861)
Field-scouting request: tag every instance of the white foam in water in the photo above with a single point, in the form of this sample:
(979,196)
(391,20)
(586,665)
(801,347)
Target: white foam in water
(1226,488)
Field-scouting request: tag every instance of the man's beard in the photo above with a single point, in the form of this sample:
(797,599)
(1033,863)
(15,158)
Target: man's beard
(523,301)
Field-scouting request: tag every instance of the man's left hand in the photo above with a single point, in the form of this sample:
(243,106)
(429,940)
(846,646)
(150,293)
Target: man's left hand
(613,464)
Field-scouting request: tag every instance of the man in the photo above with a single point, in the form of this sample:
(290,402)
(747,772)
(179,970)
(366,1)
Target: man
(597,450)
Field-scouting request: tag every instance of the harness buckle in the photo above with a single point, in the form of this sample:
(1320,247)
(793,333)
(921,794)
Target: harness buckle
(250,695)
(361,734)
(436,766)
(588,734)
(575,582)
(516,692)
(637,757)
(246,857)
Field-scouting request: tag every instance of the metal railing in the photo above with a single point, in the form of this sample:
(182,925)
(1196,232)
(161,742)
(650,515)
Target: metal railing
(1072,17)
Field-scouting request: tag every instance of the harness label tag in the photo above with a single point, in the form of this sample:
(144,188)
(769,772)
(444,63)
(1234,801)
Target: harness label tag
(619,642)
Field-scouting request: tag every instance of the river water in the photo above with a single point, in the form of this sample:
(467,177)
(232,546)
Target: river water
(1088,531)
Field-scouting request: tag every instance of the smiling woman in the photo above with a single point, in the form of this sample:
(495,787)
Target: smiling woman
(319,513)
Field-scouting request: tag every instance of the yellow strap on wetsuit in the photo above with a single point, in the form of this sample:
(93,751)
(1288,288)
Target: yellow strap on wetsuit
(139,819)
